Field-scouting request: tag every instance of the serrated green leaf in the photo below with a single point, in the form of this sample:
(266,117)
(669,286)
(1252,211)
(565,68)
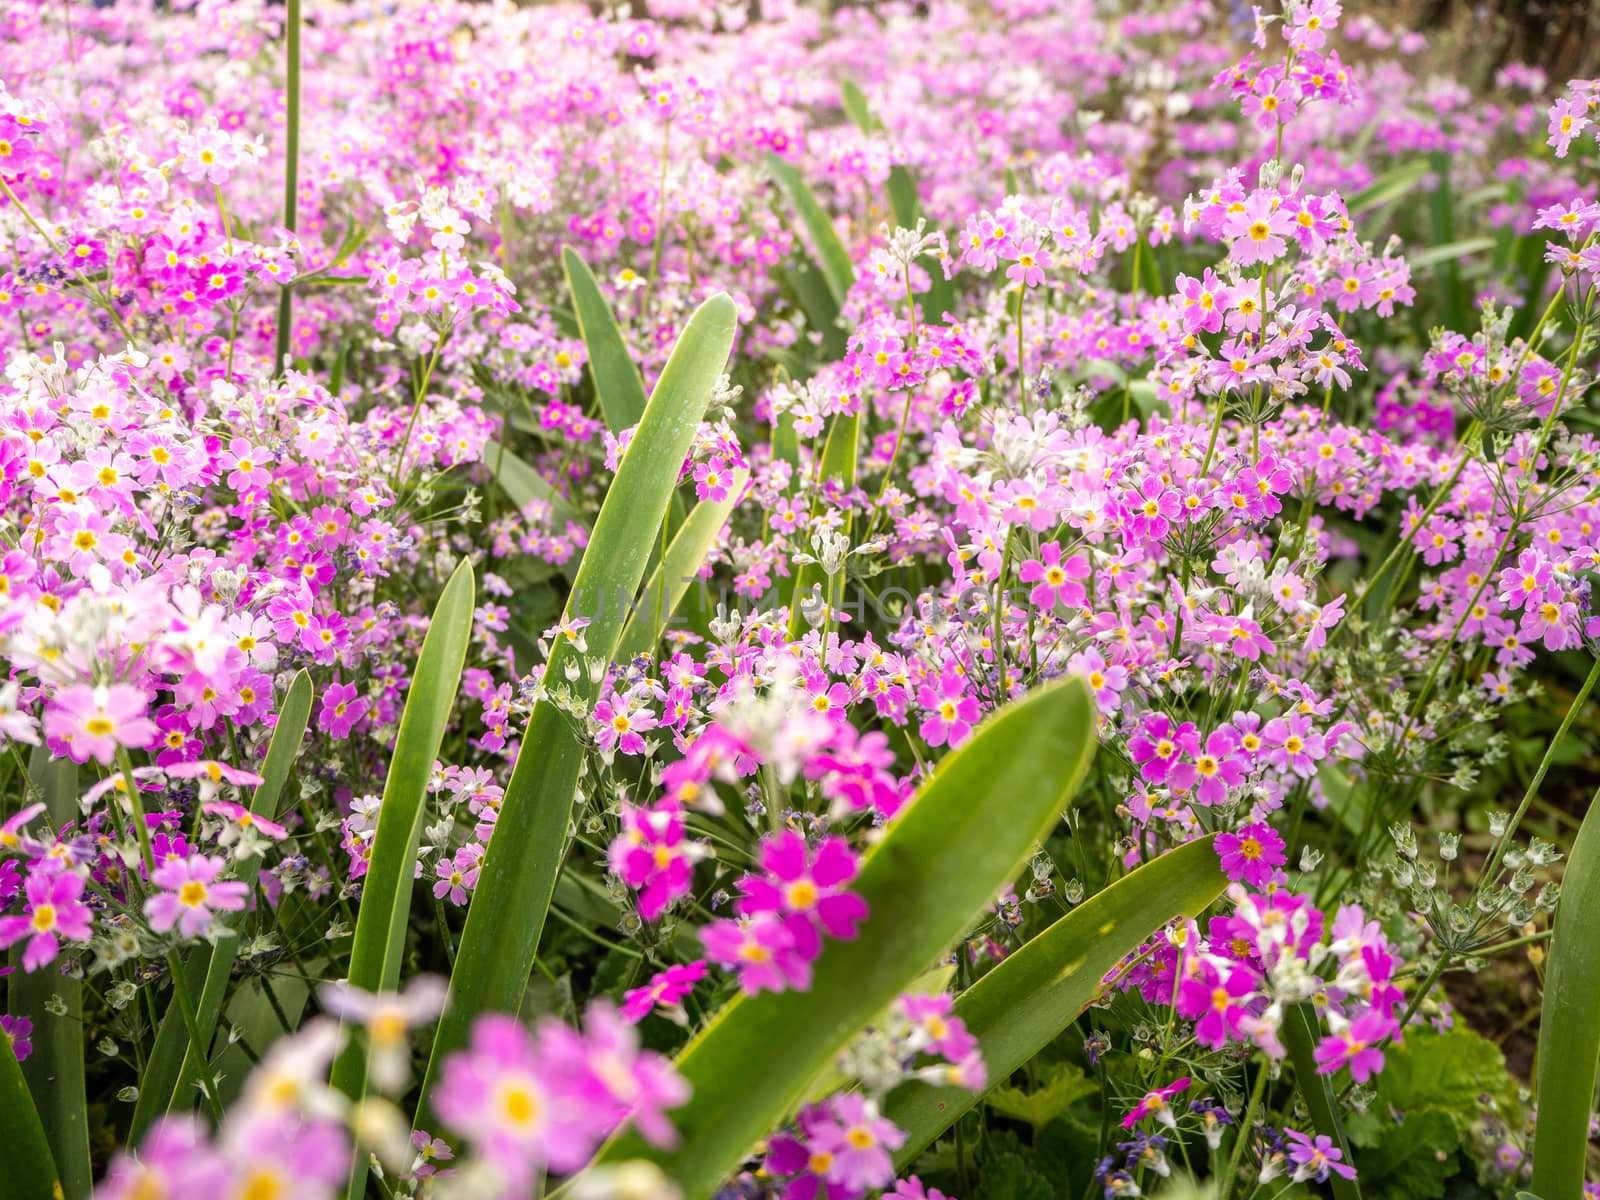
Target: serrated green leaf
(1009,1177)
(611,366)
(1024,1003)
(944,858)
(172,1067)
(385,911)
(1569,1024)
(1445,1073)
(1065,1084)
(1415,1161)
(667,585)
(509,905)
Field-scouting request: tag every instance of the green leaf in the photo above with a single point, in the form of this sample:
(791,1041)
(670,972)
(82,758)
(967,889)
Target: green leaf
(1442,223)
(838,463)
(1024,1003)
(522,484)
(172,1066)
(831,256)
(385,910)
(512,898)
(667,585)
(55,1070)
(30,1168)
(611,365)
(1388,187)
(1445,1073)
(968,831)
(1434,255)
(1569,1023)
(1065,1085)
(1009,1177)
(1301,1029)
(1415,1160)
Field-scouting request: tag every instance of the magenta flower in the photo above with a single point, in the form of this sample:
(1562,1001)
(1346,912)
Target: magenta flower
(809,895)
(1252,854)
(1211,772)
(1293,745)
(951,712)
(92,722)
(858,1144)
(17,1032)
(1358,1047)
(341,709)
(666,989)
(1216,999)
(651,855)
(1055,580)
(604,1071)
(190,895)
(54,911)
(761,948)
(1157,1104)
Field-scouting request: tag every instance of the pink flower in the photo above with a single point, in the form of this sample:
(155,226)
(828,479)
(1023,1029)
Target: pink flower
(17,1032)
(1055,581)
(1215,999)
(666,988)
(951,712)
(604,1071)
(651,854)
(54,911)
(1252,854)
(457,877)
(1293,745)
(809,896)
(858,1142)
(190,895)
(761,948)
(92,722)
(341,709)
(1358,1047)
(1213,772)
(712,479)
(1157,1104)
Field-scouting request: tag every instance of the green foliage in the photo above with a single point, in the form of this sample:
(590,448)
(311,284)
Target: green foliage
(611,366)
(1065,1084)
(1569,1024)
(965,835)
(30,1167)
(514,891)
(385,908)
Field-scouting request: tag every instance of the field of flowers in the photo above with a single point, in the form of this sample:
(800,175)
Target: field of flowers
(981,599)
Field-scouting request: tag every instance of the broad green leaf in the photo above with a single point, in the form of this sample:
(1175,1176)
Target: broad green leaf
(831,256)
(385,910)
(30,1168)
(1442,223)
(838,463)
(1024,1003)
(611,365)
(522,483)
(1301,1029)
(55,1070)
(964,836)
(173,1066)
(667,585)
(512,898)
(1569,1024)
(816,301)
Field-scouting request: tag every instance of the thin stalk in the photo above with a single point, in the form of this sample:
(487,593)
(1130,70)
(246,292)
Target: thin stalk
(291,171)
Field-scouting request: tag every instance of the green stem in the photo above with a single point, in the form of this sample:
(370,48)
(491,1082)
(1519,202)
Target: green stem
(291,172)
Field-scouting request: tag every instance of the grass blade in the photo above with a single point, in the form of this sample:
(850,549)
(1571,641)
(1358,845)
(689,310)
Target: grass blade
(522,484)
(611,365)
(30,1168)
(838,463)
(386,897)
(668,584)
(172,1065)
(1024,1003)
(55,1070)
(967,833)
(1569,1024)
(513,895)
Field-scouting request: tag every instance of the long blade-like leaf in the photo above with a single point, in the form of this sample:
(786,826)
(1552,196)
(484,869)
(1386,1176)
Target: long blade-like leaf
(512,898)
(30,1168)
(611,366)
(172,1064)
(522,483)
(665,588)
(1569,1024)
(967,833)
(1023,1004)
(831,256)
(1300,1029)
(55,1070)
(386,893)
